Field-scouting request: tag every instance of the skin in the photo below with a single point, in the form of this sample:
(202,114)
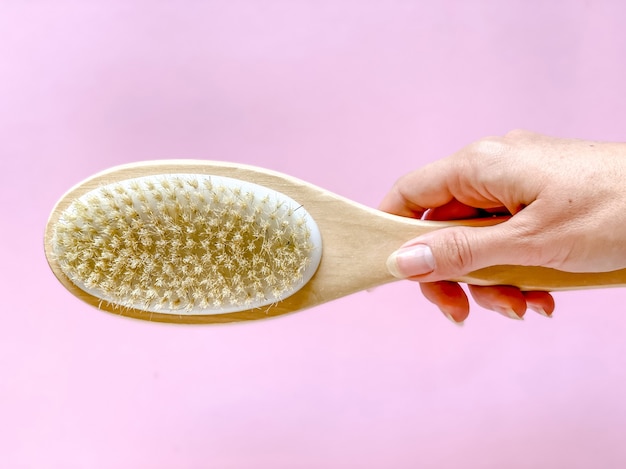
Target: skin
(566,200)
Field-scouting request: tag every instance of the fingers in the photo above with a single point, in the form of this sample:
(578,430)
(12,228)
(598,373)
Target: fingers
(398,203)
(455,210)
(482,175)
(508,301)
(413,193)
(449,297)
(540,302)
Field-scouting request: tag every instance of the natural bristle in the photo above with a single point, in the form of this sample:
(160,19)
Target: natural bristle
(184,244)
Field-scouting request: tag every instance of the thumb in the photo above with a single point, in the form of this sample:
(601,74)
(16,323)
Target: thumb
(455,251)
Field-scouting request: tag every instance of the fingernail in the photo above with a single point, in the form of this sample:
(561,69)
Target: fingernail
(410,261)
(454,321)
(541,311)
(509,313)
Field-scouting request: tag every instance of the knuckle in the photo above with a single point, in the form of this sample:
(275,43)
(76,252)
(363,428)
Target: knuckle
(517,134)
(457,253)
(489,148)
(487,160)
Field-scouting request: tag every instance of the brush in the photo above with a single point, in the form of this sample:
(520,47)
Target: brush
(189,241)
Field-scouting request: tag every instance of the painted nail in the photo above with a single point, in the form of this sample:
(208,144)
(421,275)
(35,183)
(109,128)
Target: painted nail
(454,321)
(410,261)
(541,311)
(509,313)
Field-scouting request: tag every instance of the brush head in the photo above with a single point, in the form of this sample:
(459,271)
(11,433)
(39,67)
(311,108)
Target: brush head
(186,244)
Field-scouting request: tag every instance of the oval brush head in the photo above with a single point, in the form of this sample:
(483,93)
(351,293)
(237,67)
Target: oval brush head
(186,244)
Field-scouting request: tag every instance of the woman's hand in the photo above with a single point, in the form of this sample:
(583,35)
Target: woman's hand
(567,205)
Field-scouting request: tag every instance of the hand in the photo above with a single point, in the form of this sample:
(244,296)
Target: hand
(567,205)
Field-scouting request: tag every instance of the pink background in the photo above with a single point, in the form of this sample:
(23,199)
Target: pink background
(348,95)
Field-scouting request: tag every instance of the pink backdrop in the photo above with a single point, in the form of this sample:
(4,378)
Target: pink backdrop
(348,95)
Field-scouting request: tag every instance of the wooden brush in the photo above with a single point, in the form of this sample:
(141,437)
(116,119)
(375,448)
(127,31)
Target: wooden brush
(189,241)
